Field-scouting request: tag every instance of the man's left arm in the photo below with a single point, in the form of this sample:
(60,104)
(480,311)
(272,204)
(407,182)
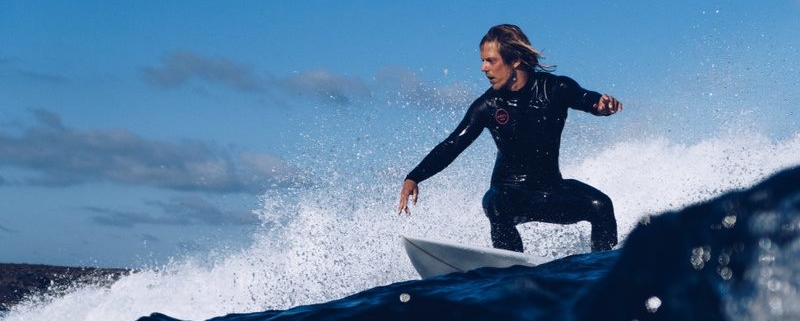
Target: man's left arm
(587,100)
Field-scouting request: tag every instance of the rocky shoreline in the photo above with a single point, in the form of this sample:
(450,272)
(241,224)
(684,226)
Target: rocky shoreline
(18,281)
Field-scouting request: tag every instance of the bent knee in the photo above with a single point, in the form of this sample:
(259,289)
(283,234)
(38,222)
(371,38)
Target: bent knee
(602,204)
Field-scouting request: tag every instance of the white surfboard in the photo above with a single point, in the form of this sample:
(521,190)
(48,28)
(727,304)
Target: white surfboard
(437,257)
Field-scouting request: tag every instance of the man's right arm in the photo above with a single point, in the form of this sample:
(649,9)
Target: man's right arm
(443,154)
(446,152)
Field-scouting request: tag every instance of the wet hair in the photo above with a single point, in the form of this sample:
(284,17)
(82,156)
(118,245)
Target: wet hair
(514,44)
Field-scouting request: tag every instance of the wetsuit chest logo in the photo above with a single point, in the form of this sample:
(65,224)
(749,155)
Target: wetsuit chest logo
(501,116)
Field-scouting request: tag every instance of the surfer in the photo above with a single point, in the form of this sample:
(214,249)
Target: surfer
(524,110)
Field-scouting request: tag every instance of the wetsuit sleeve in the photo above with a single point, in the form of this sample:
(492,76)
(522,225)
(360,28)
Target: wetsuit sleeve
(445,152)
(576,97)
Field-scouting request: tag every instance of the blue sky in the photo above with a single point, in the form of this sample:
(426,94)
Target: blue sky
(133,131)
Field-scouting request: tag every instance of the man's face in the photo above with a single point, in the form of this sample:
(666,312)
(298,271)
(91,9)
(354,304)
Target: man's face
(497,70)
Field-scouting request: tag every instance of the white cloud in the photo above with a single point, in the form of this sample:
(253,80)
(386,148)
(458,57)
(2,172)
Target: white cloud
(326,86)
(61,156)
(186,210)
(182,67)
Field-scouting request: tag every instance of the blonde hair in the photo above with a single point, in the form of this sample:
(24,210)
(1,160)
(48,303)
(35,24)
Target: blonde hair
(514,45)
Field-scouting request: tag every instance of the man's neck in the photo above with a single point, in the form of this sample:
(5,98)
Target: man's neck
(521,80)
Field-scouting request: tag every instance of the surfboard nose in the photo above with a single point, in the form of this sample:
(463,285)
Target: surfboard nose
(432,257)
(426,263)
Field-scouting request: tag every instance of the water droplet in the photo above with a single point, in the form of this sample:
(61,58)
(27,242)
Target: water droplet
(700,255)
(726,273)
(729,221)
(652,304)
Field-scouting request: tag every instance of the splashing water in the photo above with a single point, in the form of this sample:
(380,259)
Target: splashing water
(327,241)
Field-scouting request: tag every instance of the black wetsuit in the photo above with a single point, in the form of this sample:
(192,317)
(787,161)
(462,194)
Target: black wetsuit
(526,183)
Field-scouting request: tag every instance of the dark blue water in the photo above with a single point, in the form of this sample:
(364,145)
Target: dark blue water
(735,257)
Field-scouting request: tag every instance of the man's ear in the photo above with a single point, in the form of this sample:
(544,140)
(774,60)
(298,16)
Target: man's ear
(516,64)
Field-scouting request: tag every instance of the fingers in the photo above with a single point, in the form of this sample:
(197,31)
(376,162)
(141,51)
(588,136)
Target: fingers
(608,105)
(402,206)
(608,102)
(410,189)
(614,106)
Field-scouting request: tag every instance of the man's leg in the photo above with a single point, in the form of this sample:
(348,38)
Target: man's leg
(604,225)
(505,236)
(504,232)
(590,204)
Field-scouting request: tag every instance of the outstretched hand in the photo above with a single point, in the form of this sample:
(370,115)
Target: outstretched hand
(608,105)
(411,189)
